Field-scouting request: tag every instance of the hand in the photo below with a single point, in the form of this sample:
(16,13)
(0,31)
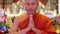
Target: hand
(24,31)
(32,26)
(31,21)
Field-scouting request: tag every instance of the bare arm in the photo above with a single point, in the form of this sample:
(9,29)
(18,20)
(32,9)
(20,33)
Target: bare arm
(15,26)
(13,30)
(36,30)
(21,32)
(25,30)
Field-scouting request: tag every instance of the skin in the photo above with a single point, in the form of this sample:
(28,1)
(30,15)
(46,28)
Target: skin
(30,7)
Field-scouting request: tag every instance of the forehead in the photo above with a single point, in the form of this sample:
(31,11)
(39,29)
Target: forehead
(30,0)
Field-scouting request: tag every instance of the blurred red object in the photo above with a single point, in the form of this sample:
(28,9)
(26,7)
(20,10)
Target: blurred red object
(44,2)
(2,32)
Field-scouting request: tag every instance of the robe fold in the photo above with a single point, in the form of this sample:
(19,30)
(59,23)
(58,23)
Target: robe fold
(41,22)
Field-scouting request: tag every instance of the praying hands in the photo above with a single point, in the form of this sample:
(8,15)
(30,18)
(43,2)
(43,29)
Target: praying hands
(30,27)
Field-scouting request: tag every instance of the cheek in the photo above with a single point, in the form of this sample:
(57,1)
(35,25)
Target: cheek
(26,7)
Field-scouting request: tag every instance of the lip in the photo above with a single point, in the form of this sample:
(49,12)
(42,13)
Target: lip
(30,10)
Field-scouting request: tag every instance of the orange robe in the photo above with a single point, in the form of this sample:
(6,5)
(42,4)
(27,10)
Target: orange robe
(41,22)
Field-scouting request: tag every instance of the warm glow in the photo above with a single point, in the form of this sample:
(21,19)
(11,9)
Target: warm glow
(40,3)
(43,6)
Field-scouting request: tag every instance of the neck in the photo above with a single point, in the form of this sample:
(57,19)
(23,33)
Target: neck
(31,14)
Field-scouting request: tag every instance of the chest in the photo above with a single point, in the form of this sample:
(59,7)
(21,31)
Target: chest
(38,24)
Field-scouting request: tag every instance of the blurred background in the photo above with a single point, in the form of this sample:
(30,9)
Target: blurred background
(12,8)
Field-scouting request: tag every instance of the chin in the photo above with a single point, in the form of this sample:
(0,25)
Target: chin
(31,12)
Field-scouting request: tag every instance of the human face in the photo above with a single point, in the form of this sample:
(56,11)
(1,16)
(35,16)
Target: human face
(31,6)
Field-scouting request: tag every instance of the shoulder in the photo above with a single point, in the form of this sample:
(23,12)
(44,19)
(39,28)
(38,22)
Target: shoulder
(43,17)
(21,17)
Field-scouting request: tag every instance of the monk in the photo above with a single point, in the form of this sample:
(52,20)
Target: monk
(32,22)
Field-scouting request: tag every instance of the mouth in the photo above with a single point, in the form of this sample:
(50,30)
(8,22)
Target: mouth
(30,10)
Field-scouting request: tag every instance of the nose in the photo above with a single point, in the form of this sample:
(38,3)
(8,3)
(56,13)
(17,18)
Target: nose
(31,6)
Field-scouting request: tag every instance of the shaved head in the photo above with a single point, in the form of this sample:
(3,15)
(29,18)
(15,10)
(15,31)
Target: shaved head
(31,6)
(28,0)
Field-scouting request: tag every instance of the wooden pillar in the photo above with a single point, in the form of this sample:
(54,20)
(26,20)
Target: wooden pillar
(3,4)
